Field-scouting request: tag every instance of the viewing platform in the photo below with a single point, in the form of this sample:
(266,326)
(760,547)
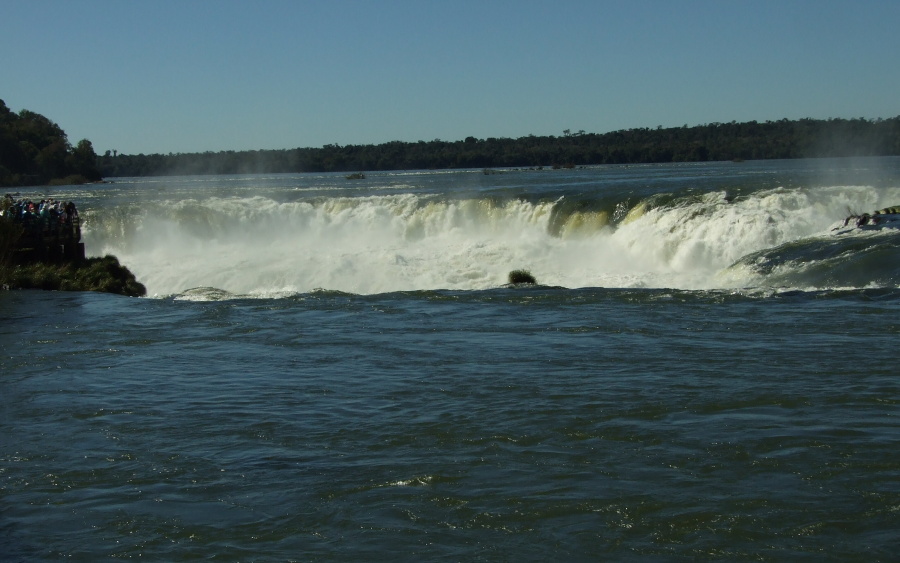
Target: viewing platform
(46,230)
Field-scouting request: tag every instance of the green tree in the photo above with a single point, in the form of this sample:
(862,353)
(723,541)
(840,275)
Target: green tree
(35,150)
(83,161)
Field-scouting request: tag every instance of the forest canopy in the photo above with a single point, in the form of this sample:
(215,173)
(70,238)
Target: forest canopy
(804,138)
(36,151)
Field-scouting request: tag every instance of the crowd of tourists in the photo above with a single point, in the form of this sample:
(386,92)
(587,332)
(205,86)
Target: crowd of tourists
(44,220)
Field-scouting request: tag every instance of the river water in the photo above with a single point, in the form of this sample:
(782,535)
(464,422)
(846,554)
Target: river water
(333,370)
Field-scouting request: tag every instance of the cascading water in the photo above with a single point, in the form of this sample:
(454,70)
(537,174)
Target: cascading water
(259,245)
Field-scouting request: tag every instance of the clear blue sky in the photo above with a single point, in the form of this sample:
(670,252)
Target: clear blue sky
(207,75)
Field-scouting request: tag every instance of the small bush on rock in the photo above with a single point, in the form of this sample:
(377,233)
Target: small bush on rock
(521,276)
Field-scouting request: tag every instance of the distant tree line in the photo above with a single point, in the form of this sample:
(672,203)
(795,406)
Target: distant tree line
(35,151)
(804,138)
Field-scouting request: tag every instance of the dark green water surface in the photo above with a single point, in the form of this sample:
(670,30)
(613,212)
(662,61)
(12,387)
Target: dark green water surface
(509,424)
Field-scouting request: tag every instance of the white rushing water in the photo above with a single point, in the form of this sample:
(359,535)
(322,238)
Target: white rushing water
(380,243)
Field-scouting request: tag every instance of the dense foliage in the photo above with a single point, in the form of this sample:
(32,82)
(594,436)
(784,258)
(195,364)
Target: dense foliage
(805,138)
(521,276)
(36,151)
(104,274)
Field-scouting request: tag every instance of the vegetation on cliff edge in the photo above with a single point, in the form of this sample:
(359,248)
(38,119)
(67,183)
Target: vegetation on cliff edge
(93,274)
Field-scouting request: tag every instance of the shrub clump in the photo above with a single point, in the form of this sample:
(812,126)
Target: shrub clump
(94,274)
(521,276)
